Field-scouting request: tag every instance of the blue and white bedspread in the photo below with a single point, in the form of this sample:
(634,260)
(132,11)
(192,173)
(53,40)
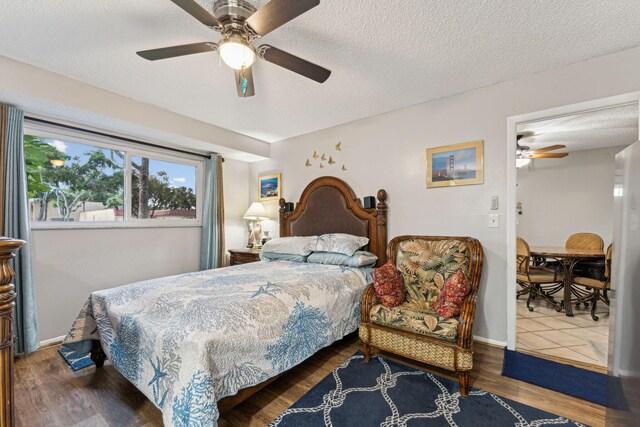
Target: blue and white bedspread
(187,341)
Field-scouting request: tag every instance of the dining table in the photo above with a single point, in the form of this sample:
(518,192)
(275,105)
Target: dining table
(568,258)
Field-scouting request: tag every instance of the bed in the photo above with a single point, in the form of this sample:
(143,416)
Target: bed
(198,343)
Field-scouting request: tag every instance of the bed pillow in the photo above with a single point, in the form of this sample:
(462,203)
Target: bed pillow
(290,245)
(449,303)
(341,243)
(388,285)
(358,259)
(272,256)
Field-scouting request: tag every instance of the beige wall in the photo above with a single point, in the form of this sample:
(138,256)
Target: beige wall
(70,264)
(565,196)
(388,151)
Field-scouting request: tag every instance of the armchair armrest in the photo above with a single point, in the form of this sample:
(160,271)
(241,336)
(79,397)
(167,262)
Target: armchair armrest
(465,322)
(368,301)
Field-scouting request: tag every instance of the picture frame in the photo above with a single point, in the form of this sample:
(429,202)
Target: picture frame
(455,165)
(269,187)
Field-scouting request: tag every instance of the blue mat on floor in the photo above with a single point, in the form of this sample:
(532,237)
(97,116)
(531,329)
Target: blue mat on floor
(384,393)
(567,379)
(75,360)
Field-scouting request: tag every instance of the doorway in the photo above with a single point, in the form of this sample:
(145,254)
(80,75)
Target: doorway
(555,196)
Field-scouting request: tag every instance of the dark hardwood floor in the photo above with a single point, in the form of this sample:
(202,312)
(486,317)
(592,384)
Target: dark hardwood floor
(48,393)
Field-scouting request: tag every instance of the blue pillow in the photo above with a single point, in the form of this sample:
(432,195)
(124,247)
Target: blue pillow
(290,245)
(273,256)
(341,243)
(358,259)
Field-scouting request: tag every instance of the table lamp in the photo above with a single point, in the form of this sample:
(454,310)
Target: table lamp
(254,215)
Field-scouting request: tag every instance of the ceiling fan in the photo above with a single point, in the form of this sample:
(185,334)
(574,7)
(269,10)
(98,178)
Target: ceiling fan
(240,24)
(524,154)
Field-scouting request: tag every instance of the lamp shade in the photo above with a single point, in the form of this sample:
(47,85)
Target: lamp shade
(256,212)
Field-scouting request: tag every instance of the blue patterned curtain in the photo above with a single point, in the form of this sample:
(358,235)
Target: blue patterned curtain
(212,243)
(16,225)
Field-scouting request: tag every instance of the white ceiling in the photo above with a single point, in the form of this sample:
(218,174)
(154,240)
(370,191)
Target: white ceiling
(384,55)
(611,127)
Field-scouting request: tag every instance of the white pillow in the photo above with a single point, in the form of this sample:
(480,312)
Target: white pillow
(290,245)
(341,243)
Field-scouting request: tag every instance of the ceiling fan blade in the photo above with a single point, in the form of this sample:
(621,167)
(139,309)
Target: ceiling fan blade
(550,148)
(548,156)
(198,12)
(277,13)
(293,63)
(244,83)
(181,50)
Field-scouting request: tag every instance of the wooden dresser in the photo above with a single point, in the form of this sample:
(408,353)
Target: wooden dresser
(244,256)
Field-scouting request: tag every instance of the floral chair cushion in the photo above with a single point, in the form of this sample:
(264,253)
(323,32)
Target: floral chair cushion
(425,266)
(423,322)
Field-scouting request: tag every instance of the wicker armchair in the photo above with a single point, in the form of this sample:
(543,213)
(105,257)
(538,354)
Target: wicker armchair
(412,329)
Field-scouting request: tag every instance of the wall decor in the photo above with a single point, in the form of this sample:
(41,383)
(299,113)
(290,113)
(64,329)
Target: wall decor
(455,165)
(322,160)
(269,187)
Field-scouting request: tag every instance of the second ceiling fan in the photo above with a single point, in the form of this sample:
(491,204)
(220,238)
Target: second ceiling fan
(524,154)
(240,24)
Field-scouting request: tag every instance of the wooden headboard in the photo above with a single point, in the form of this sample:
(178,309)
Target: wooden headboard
(329,205)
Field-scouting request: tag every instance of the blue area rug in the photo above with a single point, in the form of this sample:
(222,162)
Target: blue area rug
(383,393)
(567,379)
(75,360)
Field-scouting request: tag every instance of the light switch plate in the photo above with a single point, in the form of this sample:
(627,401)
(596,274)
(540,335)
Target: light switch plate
(494,203)
(494,221)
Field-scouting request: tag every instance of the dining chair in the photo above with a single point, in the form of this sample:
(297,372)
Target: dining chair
(536,280)
(596,289)
(585,241)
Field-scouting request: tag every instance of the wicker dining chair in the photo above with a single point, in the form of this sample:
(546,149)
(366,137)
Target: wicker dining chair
(413,329)
(585,241)
(596,290)
(536,281)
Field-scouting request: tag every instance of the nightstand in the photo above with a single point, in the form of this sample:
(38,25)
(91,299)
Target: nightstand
(244,256)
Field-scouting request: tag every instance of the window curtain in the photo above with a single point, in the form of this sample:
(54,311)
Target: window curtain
(16,225)
(212,243)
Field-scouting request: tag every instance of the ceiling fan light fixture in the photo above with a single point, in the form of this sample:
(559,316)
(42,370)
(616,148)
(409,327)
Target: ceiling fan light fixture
(521,162)
(237,53)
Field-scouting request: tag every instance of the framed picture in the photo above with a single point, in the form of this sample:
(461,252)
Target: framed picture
(453,165)
(269,187)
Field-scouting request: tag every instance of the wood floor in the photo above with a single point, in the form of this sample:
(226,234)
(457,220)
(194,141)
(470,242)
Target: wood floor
(48,393)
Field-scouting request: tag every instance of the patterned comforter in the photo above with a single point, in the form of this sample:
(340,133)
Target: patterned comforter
(187,341)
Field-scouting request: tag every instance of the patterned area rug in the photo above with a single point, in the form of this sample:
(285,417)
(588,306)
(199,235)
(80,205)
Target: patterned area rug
(75,360)
(387,394)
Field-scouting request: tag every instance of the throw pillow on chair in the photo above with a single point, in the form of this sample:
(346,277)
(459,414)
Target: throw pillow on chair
(388,285)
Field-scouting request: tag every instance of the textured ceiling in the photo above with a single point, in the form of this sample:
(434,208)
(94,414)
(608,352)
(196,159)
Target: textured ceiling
(610,127)
(384,55)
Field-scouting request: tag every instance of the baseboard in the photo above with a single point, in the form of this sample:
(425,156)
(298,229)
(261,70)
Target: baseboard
(51,341)
(491,342)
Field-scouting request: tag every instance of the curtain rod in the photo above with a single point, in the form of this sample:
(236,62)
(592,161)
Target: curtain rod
(121,138)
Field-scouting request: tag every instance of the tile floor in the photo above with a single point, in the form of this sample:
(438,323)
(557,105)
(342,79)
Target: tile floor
(548,332)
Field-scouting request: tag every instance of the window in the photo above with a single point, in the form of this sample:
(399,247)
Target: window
(78,180)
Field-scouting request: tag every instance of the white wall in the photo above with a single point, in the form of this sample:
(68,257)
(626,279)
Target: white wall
(388,151)
(70,264)
(564,196)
